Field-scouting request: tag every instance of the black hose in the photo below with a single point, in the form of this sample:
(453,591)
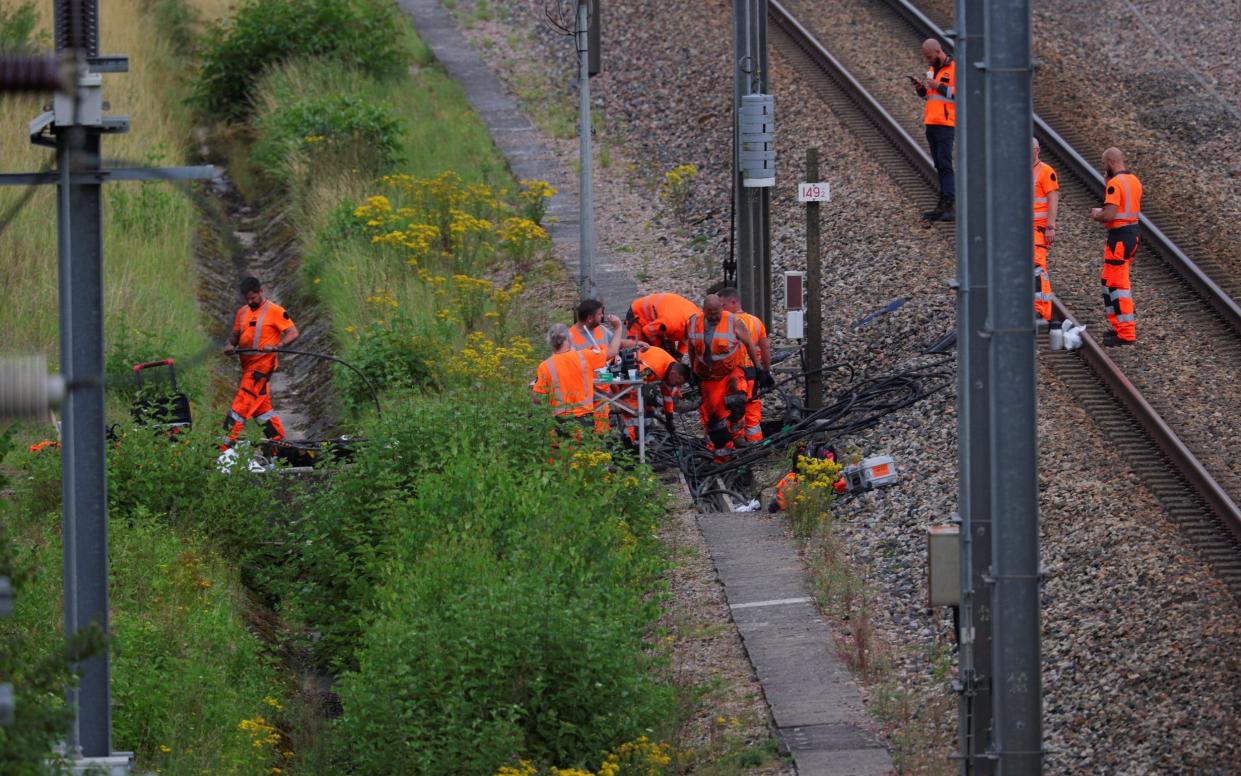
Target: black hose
(369,385)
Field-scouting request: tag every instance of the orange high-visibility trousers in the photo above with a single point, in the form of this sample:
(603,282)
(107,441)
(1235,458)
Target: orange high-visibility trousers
(754,421)
(1042,280)
(253,400)
(713,410)
(1122,246)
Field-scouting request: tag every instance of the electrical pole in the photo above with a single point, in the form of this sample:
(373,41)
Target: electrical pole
(1017,682)
(814,292)
(753,173)
(973,394)
(586,216)
(76,125)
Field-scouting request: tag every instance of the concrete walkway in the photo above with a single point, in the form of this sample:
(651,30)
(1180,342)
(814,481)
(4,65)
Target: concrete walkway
(816,706)
(522,145)
(817,709)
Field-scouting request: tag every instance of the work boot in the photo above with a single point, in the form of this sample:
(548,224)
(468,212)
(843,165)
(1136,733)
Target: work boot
(934,213)
(949,212)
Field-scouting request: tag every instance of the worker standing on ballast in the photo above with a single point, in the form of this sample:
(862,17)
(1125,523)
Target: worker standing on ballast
(731,299)
(939,89)
(566,380)
(660,319)
(260,325)
(1046,205)
(1122,204)
(718,345)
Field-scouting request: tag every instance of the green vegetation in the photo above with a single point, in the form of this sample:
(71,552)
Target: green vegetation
(265,33)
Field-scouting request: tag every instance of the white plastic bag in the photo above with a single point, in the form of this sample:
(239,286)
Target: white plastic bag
(1072,333)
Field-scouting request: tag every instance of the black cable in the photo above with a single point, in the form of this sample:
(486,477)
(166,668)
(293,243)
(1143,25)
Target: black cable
(370,386)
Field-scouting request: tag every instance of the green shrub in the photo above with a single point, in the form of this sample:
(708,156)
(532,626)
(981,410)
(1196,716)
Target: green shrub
(263,33)
(391,356)
(347,129)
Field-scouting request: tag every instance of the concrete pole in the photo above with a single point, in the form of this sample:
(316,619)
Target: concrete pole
(973,393)
(1017,686)
(586,217)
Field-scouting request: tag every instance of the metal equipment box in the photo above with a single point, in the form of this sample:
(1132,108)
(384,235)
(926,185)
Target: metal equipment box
(943,564)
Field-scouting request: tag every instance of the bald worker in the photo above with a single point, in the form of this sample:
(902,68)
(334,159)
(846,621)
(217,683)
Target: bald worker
(718,345)
(939,89)
(1122,205)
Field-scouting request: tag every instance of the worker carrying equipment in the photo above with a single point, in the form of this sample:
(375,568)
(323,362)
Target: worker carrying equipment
(718,345)
(1046,205)
(1122,205)
(660,320)
(758,333)
(260,324)
(566,380)
(655,365)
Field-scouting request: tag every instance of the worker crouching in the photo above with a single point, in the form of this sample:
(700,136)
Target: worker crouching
(660,320)
(718,345)
(566,380)
(656,365)
(260,326)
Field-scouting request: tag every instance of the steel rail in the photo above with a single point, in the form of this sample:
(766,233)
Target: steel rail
(1148,419)
(1189,271)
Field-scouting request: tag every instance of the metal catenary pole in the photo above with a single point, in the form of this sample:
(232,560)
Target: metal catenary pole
(814,292)
(587,249)
(76,123)
(752,205)
(1017,686)
(973,393)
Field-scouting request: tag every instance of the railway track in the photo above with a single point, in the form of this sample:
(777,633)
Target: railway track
(1193,498)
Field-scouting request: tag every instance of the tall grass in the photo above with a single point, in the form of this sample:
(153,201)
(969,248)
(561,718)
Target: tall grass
(148,227)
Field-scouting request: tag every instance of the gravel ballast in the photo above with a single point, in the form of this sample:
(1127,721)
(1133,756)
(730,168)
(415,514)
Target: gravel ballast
(1142,647)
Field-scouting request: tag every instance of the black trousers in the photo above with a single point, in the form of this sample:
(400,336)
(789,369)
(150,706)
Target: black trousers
(939,138)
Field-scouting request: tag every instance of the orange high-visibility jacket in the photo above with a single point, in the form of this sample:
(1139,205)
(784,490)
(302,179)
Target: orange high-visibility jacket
(258,329)
(1045,182)
(567,379)
(581,339)
(724,353)
(662,317)
(1124,190)
(941,108)
(758,332)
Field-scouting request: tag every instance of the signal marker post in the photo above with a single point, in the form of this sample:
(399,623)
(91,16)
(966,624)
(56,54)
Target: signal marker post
(812,194)
(74,128)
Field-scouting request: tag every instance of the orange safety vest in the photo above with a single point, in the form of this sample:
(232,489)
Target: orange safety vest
(583,339)
(257,329)
(657,360)
(941,109)
(758,332)
(661,317)
(567,379)
(1045,182)
(724,353)
(1124,190)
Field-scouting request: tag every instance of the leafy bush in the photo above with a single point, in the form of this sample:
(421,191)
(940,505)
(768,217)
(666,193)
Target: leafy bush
(355,132)
(506,597)
(392,357)
(262,33)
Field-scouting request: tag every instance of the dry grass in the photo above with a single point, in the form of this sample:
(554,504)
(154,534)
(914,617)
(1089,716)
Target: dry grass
(149,277)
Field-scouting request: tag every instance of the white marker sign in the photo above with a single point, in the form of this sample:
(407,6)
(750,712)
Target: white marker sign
(814,192)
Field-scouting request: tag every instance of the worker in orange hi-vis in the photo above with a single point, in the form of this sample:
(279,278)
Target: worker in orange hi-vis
(718,345)
(939,89)
(1122,204)
(566,380)
(760,372)
(260,324)
(1046,205)
(659,319)
(655,365)
(588,332)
